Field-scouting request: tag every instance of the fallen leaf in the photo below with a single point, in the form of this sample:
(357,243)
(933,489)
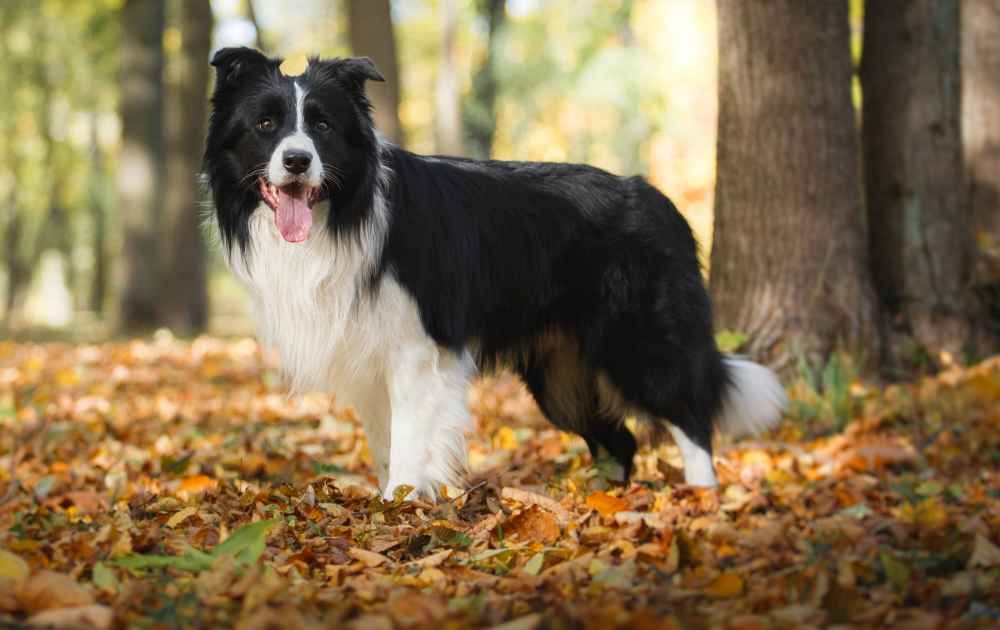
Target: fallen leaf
(984,553)
(93,616)
(369,558)
(47,589)
(181,516)
(531,498)
(533,525)
(725,585)
(606,504)
(12,566)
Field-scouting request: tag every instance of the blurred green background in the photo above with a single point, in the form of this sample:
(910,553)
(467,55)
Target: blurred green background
(629,86)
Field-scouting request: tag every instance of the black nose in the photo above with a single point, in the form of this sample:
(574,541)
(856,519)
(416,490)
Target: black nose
(296,161)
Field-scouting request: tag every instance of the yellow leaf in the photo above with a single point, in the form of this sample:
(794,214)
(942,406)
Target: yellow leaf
(606,504)
(505,439)
(195,484)
(726,585)
(12,566)
(181,516)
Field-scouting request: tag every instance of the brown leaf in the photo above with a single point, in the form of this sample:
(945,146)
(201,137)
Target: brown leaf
(984,553)
(530,498)
(369,558)
(533,525)
(94,616)
(48,589)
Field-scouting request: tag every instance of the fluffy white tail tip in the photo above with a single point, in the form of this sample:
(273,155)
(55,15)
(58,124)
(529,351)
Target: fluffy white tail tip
(753,400)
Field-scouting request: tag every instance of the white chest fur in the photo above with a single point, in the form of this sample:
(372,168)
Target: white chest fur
(331,333)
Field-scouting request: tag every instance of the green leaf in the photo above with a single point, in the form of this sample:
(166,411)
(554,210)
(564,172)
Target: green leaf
(44,486)
(896,571)
(730,340)
(321,468)
(104,578)
(858,511)
(534,566)
(187,562)
(246,544)
(930,488)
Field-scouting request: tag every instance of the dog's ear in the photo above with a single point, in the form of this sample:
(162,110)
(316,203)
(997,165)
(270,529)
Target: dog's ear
(233,63)
(352,72)
(361,69)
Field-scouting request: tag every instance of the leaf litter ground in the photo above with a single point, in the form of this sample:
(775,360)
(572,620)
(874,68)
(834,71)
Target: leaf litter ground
(167,484)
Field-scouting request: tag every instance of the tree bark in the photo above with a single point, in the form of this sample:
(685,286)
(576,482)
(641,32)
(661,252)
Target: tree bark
(371,34)
(447,112)
(981,136)
(141,163)
(788,265)
(921,239)
(479,116)
(185,296)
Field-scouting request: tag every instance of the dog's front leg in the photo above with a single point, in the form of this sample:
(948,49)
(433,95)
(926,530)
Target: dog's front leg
(429,414)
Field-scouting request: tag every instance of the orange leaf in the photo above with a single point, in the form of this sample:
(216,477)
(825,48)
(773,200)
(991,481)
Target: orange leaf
(606,504)
(533,524)
(195,484)
(726,585)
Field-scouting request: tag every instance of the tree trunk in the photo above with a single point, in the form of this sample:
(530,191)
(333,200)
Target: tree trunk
(479,116)
(141,163)
(371,34)
(788,264)
(921,242)
(447,113)
(185,298)
(981,137)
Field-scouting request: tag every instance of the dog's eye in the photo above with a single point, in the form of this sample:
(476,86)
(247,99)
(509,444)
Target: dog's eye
(265,124)
(322,126)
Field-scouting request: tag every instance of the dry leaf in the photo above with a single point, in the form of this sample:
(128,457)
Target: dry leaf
(12,567)
(984,553)
(369,558)
(95,616)
(532,525)
(606,504)
(47,589)
(531,498)
(726,585)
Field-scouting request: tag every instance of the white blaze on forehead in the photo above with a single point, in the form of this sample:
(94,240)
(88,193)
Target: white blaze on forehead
(300,101)
(300,140)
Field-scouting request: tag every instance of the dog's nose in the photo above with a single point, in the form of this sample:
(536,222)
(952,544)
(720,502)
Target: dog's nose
(296,161)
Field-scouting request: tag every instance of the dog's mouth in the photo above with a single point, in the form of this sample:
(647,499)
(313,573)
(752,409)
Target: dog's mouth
(292,205)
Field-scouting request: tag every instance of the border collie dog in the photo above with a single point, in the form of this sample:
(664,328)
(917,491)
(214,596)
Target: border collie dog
(390,279)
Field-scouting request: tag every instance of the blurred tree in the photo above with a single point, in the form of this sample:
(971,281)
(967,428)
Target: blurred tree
(921,243)
(447,112)
(788,264)
(981,137)
(141,161)
(371,33)
(184,297)
(479,112)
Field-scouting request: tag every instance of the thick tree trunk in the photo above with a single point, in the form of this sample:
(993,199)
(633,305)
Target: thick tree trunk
(479,116)
(981,136)
(447,112)
(788,263)
(921,242)
(185,296)
(371,34)
(141,163)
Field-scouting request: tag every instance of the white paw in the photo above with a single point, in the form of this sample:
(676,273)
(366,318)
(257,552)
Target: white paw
(418,489)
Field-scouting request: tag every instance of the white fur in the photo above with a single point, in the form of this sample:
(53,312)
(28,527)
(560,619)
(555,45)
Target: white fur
(369,348)
(698,467)
(276,173)
(754,400)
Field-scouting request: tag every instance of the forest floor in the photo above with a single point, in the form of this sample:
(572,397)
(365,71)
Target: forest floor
(168,484)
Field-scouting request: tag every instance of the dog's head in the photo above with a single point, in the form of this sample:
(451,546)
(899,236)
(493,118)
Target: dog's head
(289,141)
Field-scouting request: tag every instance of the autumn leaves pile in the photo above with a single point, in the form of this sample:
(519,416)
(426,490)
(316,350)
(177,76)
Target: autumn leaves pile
(173,483)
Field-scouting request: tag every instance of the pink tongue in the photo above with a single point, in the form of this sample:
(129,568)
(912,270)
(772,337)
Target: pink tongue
(293,216)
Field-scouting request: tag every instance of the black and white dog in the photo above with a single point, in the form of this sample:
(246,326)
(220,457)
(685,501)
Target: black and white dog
(390,278)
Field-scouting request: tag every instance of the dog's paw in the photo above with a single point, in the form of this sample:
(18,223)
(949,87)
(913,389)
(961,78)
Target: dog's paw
(414,490)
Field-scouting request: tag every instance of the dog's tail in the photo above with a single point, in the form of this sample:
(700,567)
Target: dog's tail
(752,398)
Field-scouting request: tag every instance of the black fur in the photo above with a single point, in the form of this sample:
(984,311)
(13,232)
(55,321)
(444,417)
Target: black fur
(567,274)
